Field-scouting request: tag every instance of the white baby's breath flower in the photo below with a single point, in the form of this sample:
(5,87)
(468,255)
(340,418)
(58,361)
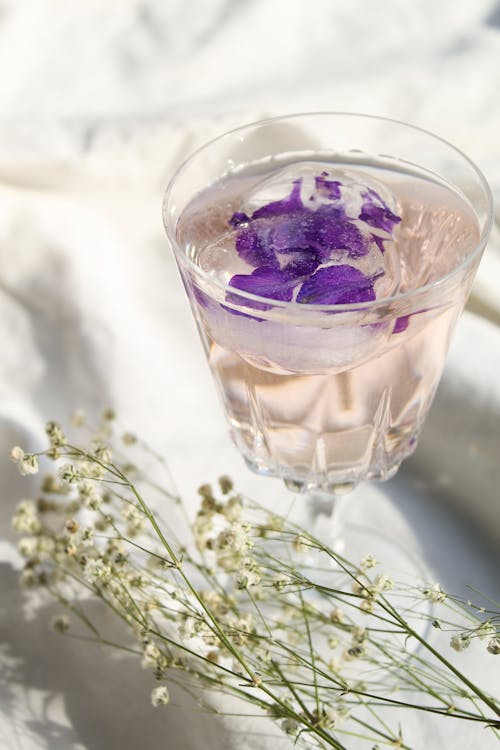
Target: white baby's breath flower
(290,726)
(486,630)
(102,452)
(87,536)
(434,593)
(26,518)
(60,624)
(160,696)
(28,546)
(151,656)
(233,509)
(188,628)
(95,569)
(493,646)
(71,526)
(55,434)
(300,543)
(460,641)
(78,418)
(235,537)
(89,495)
(28,578)
(337,616)
(280,581)
(368,562)
(225,484)
(27,463)
(69,473)
(17,454)
(383,583)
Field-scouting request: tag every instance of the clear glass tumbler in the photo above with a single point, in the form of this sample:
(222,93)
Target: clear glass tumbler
(326,395)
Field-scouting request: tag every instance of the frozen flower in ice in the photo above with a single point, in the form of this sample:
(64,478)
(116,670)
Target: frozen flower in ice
(376,213)
(460,642)
(298,245)
(27,463)
(160,696)
(337,285)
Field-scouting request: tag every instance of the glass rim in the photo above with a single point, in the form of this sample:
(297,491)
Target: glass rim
(329,308)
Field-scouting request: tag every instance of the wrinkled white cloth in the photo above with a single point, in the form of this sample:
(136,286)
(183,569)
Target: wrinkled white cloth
(92,311)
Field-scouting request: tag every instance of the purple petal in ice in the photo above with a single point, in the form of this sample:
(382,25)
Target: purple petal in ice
(330,229)
(265,282)
(288,205)
(401,324)
(376,213)
(238,218)
(379,241)
(299,262)
(327,188)
(337,285)
(253,246)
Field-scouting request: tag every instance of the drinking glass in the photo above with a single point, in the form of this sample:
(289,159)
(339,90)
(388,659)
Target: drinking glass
(327,395)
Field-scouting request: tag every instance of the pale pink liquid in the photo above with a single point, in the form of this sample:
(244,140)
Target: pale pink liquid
(325,400)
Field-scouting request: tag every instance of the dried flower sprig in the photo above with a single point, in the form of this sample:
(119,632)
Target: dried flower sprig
(242,603)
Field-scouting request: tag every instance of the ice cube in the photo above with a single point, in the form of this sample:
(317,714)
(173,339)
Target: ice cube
(339,215)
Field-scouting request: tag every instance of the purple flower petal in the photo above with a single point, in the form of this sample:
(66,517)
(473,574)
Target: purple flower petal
(328,188)
(265,282)
(330,229)
(379,241)
(376,213)
(337,285)
(301,263)
(238,218)
(288,205)
(401,324)
(254,247)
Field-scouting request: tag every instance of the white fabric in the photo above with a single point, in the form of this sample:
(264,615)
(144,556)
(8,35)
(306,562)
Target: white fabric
(92,311)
